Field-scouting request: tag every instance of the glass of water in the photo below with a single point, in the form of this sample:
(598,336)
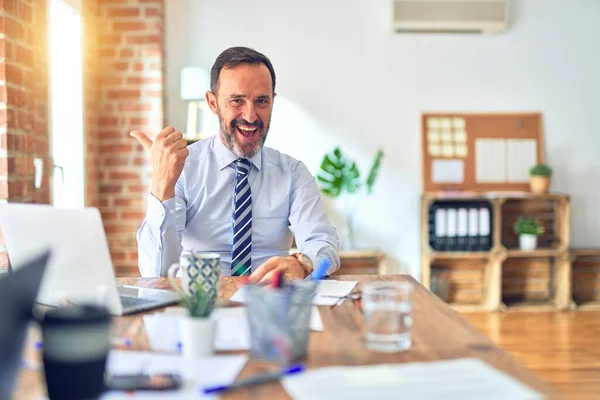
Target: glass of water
(387,308)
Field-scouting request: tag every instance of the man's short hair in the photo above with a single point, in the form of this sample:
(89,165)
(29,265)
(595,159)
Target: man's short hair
(234,56)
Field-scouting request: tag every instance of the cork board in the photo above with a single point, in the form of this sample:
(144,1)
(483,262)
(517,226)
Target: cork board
(480,152)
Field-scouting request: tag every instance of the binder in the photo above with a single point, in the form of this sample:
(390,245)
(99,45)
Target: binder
(451,229)
(462,229)
(484,229)
(440,230)
(473,231)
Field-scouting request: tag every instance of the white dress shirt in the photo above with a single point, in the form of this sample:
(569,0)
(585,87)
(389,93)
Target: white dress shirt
(286,204)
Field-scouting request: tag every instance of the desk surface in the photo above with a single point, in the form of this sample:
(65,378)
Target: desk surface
(438,333)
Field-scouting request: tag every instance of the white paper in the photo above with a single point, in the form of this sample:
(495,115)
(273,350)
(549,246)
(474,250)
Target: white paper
(326,287)
(232,331)
(197,373)
(462,379)
(521,156)
(447,171)
(490,160)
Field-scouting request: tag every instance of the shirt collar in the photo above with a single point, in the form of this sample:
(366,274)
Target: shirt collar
(225,157)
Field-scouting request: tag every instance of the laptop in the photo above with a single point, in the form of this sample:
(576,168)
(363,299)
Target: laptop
(80,269)
(17,297)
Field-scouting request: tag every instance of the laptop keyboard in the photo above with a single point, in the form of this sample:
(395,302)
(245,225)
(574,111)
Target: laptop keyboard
(130,302)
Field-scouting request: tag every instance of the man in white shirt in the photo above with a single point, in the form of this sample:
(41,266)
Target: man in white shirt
(230,195)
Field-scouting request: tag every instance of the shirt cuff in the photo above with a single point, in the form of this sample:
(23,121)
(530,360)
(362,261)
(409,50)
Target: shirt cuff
(160,215)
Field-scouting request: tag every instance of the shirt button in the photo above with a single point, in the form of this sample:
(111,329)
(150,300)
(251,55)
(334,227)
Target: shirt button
(171,212)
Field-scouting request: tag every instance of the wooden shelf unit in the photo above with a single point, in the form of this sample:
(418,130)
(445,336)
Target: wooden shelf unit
(586,278)
(505,277)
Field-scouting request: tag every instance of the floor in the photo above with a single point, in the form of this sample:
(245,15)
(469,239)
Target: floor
(562,348)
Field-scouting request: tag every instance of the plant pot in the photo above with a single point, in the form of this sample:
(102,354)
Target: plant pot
(197,336)
(539,184)
(527,242)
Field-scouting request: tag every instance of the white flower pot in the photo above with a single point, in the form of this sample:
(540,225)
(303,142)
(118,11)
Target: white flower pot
(197,336)
(527,242)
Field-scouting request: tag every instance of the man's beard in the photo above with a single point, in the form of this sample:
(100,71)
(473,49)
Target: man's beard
(243,150)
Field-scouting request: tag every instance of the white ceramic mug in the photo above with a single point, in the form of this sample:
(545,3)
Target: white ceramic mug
(197,267)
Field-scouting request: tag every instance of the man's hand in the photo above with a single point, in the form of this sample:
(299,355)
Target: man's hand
(167,153)
(289,267)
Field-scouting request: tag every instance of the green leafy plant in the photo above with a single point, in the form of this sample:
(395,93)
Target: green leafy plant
(338,174)
(541,170)
(199,304)
(528,226)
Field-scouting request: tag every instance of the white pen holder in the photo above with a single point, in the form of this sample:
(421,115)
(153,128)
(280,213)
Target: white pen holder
(197,336)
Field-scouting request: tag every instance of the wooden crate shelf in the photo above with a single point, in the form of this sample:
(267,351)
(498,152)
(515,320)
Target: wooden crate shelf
(508,278)
(586,278)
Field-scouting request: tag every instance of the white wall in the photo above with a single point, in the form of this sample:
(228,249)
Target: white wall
(345,79)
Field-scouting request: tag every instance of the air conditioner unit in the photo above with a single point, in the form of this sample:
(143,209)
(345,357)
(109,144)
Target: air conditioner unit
(450,16)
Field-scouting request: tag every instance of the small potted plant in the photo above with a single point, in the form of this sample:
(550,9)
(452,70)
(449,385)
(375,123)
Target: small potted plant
(539,178)
(197,328)
(528,230)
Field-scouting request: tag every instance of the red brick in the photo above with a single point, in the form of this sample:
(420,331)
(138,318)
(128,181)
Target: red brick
(13,74)
(137,188)
(152,12)
(139,80)
(14,30)
(115,161)
(127,26)
(107,52)
(143,39)
(109,39)
(122,202)
(113,188)
(153,94)
(24,55)
(126,53)
(137,215)
(121,66)
(25,12)
(105,121)
(116,148)
(138,107)
(12,7)
(124,94)
(112,134)
(123,12)
(107,215)
(118,175)
(140,161)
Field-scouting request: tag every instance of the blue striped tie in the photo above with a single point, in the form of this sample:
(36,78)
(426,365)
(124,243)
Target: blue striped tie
(241,260)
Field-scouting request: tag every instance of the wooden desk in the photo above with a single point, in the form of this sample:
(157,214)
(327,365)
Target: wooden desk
(438,333)
(361,262)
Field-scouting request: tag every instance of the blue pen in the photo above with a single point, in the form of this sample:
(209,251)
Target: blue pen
(321,271)
(257,379)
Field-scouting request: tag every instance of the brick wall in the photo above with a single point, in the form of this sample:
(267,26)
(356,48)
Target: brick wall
(123,90)
(23,102)
(129,96)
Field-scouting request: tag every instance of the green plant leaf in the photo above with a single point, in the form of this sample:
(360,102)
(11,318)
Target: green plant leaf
(374,171)
(338,174)
(528,226)
(200,304)
(541,170)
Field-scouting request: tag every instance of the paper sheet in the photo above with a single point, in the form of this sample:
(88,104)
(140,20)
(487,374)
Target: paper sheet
(461,379)
(448,171)
(216,370)
(232,332)
(326,287)
(490,160)
(521,155)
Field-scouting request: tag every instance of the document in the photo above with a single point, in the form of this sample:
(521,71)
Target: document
(460,379)
(197,373)
(232,332)
(326,288)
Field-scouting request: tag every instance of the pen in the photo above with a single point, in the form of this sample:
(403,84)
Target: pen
(321,270)
(257,379)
